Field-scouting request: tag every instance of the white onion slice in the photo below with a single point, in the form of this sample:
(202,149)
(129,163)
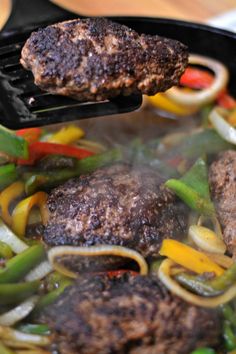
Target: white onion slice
(8,237)
(206,239)
(206,95)
(223,128)
(164,274)
(12,335)
(19,312)
(39,272)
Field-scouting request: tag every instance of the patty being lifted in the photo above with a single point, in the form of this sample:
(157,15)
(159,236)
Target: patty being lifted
(94,59)
(125,315)
(222,178)
(115,205)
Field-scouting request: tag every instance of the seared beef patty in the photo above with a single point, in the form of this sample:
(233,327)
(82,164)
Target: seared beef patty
(125,315)
(115,205)
(222,178)
(94,58)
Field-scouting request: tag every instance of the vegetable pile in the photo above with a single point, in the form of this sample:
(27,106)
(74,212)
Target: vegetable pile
(32,161)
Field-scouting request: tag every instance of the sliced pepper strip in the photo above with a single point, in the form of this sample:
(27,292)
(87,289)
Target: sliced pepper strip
(67,135)
(7,196)
(12,144)
(30,134)
(22,210)
(163,102)
(39,149)
(188,257)
(8,174)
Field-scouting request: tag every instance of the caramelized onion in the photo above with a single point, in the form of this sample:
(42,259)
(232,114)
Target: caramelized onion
(206,95)
(104,250)
(164,274)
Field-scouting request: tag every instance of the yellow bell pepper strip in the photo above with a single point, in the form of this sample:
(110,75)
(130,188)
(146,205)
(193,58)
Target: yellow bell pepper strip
(12,144)
(5,250)
(22,210)
(7,196)
(17,267)
(8,174)
(67,135)
(193,188)
(188,257)
(164,103)
(231,119)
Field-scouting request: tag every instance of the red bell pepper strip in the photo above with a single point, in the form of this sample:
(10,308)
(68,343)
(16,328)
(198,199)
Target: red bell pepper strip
(30,134)
(196,78)
(39,149)
(200,79)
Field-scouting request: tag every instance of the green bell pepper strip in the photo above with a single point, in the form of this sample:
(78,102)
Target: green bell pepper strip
(229,337)
(8,174)
(14,293)
(31,328)
(51,297)
(12,144)
(193,188)
(5,350)
(18,266)
(229,314)
(209,287)
(193,283)
(201,143)
(35,181)
(204,351)
(5,250)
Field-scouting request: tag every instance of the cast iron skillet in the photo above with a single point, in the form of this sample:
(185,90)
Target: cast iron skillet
(201,39)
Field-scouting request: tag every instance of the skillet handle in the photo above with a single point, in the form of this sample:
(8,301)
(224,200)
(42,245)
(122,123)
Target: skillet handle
(28,12)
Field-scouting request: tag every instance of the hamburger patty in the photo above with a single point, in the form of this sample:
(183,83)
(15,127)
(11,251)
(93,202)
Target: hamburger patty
(222,179)
(125,315)
(94,59)
(115,205)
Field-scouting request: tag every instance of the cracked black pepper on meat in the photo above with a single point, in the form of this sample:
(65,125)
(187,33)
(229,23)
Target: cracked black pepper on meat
(94,59)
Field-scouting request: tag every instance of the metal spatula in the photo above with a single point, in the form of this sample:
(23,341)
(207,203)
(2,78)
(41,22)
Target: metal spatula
(25,105)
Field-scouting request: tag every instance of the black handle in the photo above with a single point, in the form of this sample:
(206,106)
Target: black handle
(29,12)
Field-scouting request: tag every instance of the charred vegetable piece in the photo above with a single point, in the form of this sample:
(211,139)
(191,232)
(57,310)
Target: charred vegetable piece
(12,144)
(36,181)
(8,174)
(18,266)
(193,188)
(14,293)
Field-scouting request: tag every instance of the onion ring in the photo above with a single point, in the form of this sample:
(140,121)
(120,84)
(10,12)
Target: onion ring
(104,250)
(207,95)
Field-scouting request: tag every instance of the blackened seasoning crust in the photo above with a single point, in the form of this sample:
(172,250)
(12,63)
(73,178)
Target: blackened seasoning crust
(115,205)
(222,178)
(93,59)
(129,315)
